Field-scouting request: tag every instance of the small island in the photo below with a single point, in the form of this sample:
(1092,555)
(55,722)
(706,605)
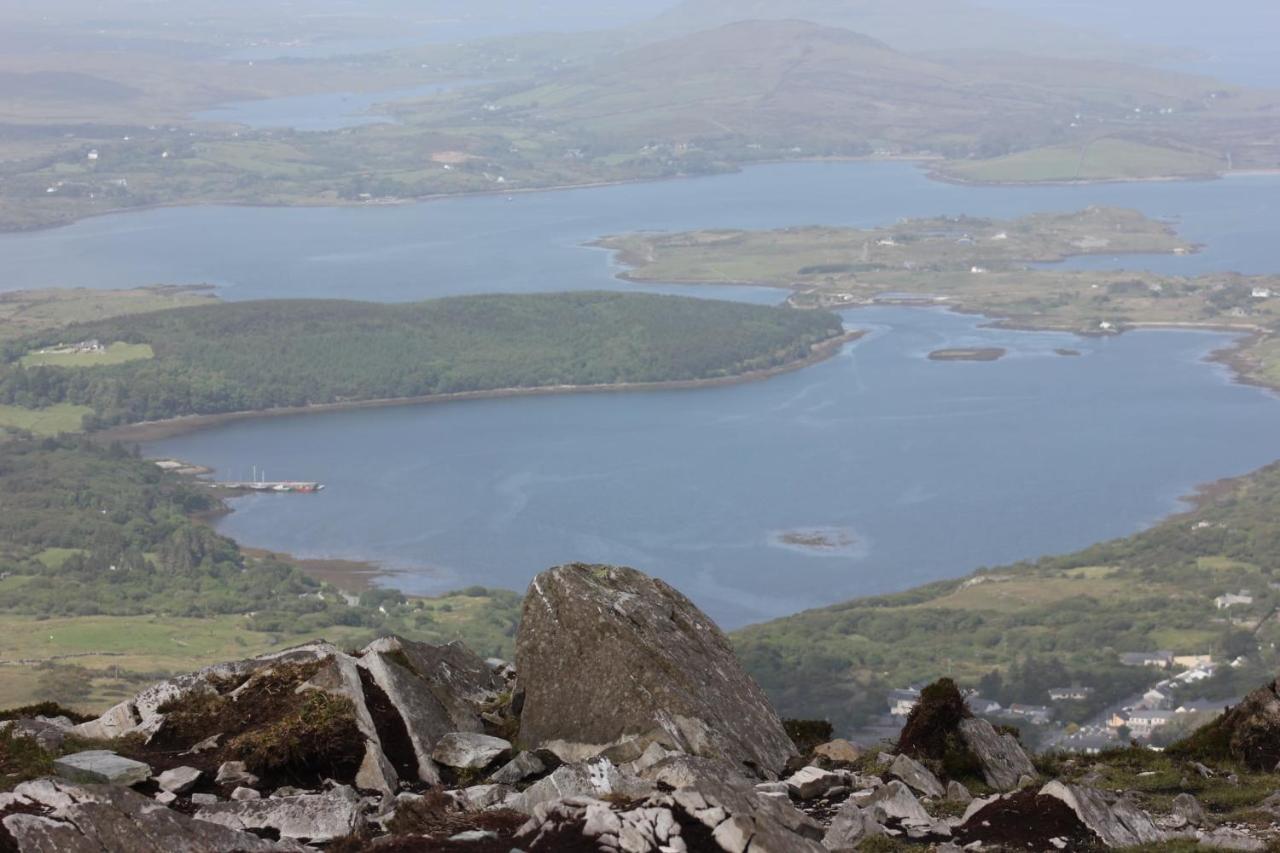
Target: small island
(820,540)
(969,354)
(1066,351)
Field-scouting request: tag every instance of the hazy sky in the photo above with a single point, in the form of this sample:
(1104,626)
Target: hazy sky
(1238,37)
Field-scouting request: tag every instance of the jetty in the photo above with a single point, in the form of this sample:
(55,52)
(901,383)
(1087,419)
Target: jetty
(268,486)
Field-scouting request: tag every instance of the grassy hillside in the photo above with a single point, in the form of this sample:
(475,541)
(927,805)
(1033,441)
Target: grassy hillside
(1105,159)
(260,355)
(1048,623)
(915,25)
(106,583)
(29,312)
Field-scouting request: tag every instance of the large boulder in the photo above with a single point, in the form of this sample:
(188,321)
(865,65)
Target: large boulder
(1118,822)
(1003,761)
(49,815)
(608,654)
(436,689)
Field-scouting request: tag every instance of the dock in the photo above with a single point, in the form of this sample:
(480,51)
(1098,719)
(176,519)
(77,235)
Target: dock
(269,486)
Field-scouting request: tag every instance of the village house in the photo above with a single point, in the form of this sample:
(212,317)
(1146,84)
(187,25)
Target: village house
(1142,724)
(1038,715)
(1233,599)
(1164,660)
(1159,696)
(1090,740)
(983,707)
(1068,694)
(1199,673)
(902,701)
(1192,661)
(1261,293)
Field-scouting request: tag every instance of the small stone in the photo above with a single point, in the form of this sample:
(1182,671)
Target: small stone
(101,767)
(288,791)
(469,750)
(235,773)
(475,835)
(838,751)
(203,800)
(242,793)
(523,766)
(1188,808)
(205,745)
(773,788)
(481,797)
(1230,839)
(179,780)
(810,782)
(165,797)
(958,793)
(884,758)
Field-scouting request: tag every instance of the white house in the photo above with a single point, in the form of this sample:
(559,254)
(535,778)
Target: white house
(1143,723)
(901,702)
(1232,599)
(1261,293)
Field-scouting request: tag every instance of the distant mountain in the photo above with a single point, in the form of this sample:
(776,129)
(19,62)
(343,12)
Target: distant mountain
(916,26)
(825,89)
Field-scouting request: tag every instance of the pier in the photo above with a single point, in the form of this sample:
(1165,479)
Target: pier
(269,486)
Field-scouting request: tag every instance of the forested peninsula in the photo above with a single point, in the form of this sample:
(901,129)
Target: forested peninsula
(258,356)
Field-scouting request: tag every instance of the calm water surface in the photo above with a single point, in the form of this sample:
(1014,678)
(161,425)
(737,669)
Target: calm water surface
(916,470)
(532,242)
(327,111)
(924,469)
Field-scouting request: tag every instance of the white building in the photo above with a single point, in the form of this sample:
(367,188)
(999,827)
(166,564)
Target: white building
(1233,599)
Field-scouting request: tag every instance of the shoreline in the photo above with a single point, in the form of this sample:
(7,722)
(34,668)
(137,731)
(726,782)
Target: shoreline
(920,161)
(156,430)
(348,576)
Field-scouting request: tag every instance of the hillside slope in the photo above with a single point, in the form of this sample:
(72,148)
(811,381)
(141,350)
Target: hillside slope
(914,25)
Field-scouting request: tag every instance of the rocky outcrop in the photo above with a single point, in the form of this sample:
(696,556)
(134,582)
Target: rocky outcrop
(1005,764)
(1249,733)
(1118,823)
(49,815)
(305,817)
(684,820)
(606,654)
(404,697)
(436,689)
(917,776)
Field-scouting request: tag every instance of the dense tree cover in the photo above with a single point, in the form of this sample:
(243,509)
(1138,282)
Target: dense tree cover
(1075,615)
(89,530)
(258,355)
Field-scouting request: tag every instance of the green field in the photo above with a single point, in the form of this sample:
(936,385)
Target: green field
(50,420)
(1103,160)
(116,353)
